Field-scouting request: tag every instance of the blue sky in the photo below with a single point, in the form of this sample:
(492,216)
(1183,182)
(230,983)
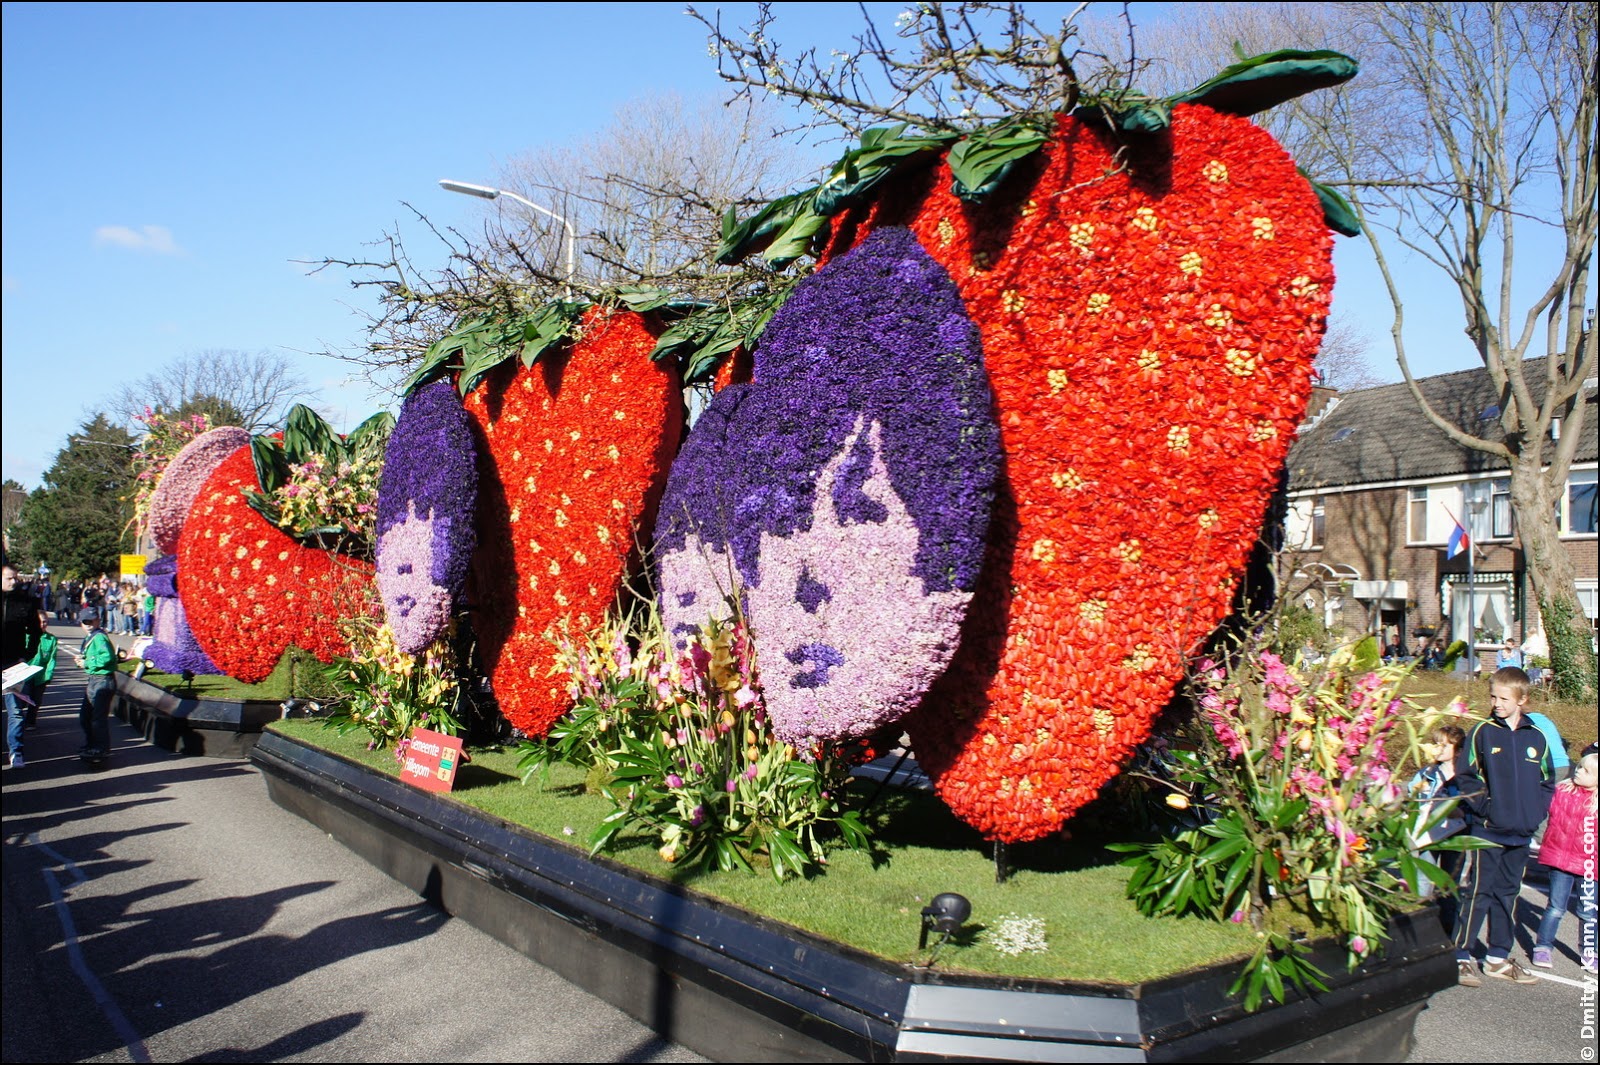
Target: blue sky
(167,167)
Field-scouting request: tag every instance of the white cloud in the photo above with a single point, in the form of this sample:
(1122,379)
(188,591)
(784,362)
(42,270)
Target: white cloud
(157,239)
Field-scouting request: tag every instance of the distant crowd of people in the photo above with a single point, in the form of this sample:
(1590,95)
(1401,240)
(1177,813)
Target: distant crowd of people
(124,607)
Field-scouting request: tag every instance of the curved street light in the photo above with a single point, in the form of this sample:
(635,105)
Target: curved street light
(486,192)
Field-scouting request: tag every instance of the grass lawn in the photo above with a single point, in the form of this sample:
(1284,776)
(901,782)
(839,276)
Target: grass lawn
(295,674)
(873,903)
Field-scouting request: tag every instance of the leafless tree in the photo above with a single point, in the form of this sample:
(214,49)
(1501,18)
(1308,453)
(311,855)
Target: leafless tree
(941,67)
(1342,362)
(644,196)
(254,389)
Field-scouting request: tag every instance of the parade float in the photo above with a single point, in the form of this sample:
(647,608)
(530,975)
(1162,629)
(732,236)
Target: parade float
(987,483)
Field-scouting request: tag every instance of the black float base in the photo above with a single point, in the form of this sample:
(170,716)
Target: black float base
(219,728)
(737,987)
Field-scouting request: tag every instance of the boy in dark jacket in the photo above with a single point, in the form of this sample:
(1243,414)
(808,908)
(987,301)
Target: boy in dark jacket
(1507,780)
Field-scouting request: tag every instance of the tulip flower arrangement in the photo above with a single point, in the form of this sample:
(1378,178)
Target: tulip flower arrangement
(681,744)
(387,692)
(1288,792)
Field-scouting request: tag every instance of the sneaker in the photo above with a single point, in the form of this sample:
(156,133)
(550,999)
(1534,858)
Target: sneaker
(1589,964)
(1467,974)
(1541,958)
(17,761)
(1506,969)
(92,755)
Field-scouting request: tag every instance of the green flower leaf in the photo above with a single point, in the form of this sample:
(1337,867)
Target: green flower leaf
(1259,82)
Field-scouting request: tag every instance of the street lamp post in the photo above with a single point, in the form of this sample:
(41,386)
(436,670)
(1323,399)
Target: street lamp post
(487,193)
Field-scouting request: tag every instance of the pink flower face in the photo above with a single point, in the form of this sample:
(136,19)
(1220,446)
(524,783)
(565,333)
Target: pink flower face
(417,609)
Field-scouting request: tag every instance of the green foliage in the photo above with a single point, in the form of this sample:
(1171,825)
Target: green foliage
(701,341)
(319,487)
(1571,652)
(1257,83)
(680,747)
(1287,793)
(481,342)
(385,692)
(79,520)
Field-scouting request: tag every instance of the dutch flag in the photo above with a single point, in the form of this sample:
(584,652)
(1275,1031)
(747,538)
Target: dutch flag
(1459,542)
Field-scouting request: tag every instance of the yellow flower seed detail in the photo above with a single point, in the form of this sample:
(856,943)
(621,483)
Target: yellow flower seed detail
(1031,206)
(1149,360)
(255,563)
(562,519)
(1098,302)
(1104,722)
(1129,551)
(561,599)
(602,534)
(1044,550)
(1140,660)
(1068,480)
(1215,171)
(533,581)
(1262,228)
(222,541)
(982,260)
(549,446)
(283,556)
(1025,786)
(1092,611)
(1081,235)
(1190,263)
(516,513)
(1012,301)
(1240,363)
(1219,317)
(580,558)
(947,232)
(555,568)
(1058,381)
(613,453)
(530,484)
(1301,287)
(1146,219)
(1208,520)
(534,546)
(241,552)
(575,435)
(1264,430)
(989,740)
(1178,438)
(621,415)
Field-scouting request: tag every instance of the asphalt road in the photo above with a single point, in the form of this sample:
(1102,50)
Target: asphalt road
(163,909)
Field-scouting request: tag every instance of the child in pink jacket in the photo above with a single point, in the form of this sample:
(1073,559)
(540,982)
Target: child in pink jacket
(1569,852)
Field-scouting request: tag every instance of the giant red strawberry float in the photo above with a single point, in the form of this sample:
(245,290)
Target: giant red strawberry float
(249,590)
(573,455)
(1150,309)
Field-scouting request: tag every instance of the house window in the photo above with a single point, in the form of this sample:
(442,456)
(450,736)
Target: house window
(1475,510)
(1417,516)
(1319,521)
(1500,510)
(1580,504)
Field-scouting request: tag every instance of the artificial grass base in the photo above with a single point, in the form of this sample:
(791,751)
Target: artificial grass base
(872,902)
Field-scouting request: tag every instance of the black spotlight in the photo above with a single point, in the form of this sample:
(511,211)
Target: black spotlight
(945,915)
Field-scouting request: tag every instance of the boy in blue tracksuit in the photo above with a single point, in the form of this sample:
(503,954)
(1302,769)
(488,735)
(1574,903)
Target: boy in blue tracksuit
(1507,781)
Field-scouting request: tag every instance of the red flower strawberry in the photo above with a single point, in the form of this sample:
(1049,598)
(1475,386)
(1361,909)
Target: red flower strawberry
(574,455)
(1149,317)
(249,590)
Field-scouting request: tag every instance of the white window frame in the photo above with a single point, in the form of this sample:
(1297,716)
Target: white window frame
(1564,508)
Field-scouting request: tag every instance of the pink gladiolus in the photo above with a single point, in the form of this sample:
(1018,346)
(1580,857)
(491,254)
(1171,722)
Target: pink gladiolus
(1358,945)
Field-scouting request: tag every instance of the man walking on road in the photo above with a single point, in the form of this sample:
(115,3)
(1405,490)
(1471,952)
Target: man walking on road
(19,636)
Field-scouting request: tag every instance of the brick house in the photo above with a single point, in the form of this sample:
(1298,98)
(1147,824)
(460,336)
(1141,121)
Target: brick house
(1375,491)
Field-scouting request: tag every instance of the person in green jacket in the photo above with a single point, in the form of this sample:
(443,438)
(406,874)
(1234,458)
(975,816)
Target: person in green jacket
(99,661)
(44,656)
